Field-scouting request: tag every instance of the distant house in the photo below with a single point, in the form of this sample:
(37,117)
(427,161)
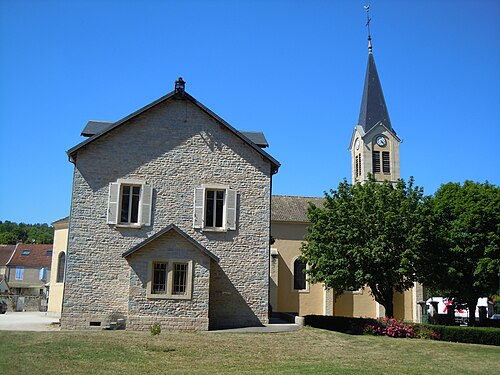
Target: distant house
(28,269)
(6,252)
(4,286)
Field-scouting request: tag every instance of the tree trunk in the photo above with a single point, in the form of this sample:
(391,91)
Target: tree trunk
(389,309)
(384,296)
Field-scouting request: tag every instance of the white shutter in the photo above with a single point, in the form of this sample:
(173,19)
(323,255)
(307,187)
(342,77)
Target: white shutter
(114,190)
(231,209)
(199,200)
(146,204)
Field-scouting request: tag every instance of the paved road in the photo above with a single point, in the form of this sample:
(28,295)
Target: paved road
(27,321)
(39,321)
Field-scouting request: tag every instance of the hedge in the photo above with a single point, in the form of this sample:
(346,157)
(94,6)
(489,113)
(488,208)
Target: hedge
(468,335)
(357,326)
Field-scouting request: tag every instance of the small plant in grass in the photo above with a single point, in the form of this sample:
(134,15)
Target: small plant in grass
(427,333)
(390,327)
(155,329)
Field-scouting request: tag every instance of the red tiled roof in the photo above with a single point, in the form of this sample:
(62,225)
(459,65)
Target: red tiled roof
(5,253)
(37,256)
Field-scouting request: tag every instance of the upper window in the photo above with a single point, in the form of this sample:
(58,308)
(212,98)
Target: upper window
(215,208)
(386,162)
(358,165)
(19,272)
(170,279)
(376,161)
(299,275)
(60,267)
(130,203)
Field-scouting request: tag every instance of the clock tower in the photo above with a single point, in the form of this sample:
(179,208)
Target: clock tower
(374,144)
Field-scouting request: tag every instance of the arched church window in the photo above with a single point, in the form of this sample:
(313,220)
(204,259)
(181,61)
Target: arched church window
(61,265)
(299,275)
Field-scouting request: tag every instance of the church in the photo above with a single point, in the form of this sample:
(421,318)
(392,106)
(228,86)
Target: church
(172,217)
(374,148)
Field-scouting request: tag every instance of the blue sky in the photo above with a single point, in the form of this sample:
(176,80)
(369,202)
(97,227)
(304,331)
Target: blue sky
(292,69)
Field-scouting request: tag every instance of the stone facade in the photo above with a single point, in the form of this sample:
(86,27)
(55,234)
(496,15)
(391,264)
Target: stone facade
(173,146)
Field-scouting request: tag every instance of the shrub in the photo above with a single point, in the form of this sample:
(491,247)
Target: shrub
(391,328)
(394,328)
(155,329)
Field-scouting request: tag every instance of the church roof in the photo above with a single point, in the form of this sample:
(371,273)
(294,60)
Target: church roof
(373,109)
(292,208)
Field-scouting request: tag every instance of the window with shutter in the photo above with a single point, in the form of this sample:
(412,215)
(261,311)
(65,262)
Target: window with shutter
(215,208)
(130,203)
(19,272)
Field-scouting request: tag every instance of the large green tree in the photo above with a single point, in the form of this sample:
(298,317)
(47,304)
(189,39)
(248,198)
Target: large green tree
(466,258)
(367,234)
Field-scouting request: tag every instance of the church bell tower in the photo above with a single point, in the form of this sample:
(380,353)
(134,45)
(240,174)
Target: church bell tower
(374,144)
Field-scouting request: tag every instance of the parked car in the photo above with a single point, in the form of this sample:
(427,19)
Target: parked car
(3,306)
(495,316)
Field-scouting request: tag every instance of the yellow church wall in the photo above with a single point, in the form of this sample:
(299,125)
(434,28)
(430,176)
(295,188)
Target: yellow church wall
(57,289)
(288,239)
(358,303)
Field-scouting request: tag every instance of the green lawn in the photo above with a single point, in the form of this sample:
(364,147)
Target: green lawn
(311,351)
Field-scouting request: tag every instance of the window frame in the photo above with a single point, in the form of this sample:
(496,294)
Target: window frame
(61,267)
(169,279)
(115,201)
(229,209)
(19,273)
(376,167)
(130,204)
(42,274)
(386,162)
(306,289)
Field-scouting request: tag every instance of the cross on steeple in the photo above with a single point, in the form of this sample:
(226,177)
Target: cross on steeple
(368,20)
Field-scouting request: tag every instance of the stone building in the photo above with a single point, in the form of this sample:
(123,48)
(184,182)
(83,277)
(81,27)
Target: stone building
(169,221)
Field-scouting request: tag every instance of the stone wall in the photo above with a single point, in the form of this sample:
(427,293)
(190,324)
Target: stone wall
(174,147)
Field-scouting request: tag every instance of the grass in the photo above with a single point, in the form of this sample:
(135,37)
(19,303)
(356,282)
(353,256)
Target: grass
(310,350)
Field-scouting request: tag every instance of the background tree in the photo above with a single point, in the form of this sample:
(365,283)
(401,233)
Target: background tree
(466,229)
(367,234)
(12,233)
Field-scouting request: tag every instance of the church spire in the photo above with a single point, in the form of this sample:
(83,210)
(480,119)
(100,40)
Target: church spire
(373,109)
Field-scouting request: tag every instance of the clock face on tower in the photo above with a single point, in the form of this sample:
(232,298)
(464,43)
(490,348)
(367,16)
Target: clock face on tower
(381,141)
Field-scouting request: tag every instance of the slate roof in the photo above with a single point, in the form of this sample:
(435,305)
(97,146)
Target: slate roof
(6,252)
(292,208)
(37,257)
(256,137)
(373,109)
(176,229)
(72,152)
(93,127)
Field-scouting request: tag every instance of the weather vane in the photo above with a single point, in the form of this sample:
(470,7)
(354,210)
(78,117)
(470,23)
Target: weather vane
(368,20)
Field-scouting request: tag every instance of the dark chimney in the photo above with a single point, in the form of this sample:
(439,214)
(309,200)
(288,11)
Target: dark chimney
(180,85)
